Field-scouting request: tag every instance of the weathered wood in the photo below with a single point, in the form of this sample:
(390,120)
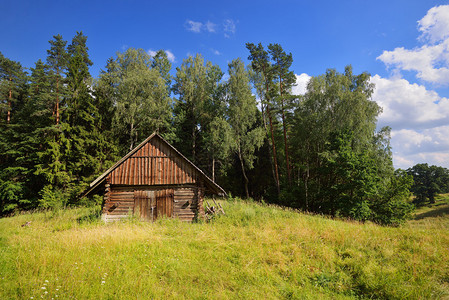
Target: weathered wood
(154,168)
(200,200)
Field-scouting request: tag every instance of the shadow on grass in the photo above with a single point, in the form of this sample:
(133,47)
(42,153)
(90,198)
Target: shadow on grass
(437,212)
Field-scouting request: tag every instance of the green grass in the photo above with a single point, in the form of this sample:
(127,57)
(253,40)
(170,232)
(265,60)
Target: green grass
(253,252)
(439,209)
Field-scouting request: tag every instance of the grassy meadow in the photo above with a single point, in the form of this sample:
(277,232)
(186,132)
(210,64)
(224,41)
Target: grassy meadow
(255,251)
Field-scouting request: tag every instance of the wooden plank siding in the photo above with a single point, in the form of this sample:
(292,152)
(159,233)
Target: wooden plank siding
(152,203)
(154,164)
(152,181)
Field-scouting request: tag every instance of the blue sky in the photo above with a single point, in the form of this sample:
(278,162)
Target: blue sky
(403,44)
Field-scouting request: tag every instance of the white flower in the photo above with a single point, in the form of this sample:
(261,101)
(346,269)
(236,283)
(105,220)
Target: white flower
(46,293)
(103,282)
(43,288)
(46,280)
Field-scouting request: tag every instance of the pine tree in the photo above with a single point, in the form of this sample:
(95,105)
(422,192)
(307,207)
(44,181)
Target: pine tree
(89,150)
(12,78)
(57,60)
(285,80)
(12,173)
(260,63)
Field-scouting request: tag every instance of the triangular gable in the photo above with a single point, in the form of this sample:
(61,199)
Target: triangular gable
(212,186)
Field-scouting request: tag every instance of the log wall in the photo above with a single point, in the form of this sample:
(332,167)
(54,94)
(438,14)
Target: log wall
(151,203)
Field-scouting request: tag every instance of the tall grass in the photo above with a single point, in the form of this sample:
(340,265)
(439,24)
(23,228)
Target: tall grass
(254,251)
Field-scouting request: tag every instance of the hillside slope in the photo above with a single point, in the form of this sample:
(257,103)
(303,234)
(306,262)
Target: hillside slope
(254,251)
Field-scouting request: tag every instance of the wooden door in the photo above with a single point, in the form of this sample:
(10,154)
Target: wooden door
(150,205)
(145,205)
(164,203)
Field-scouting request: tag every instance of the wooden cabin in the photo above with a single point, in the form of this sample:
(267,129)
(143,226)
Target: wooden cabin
(151,181)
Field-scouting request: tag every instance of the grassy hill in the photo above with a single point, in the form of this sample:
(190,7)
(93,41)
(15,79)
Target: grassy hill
(254,251)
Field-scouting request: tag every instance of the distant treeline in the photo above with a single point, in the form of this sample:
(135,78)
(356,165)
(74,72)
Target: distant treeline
(320,152)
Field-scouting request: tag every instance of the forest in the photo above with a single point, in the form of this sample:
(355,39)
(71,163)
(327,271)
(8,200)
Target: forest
(319,152)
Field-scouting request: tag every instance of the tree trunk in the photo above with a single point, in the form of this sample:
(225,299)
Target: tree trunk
(193,145)
(57,99)
(274,151)
(244,173)
(213,169)
(131,146)
(269,150)
(272,135)
(285,132)
(8,117)
(306,186)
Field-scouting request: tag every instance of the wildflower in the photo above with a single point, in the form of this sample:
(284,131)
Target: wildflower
(43,288)
(46,293)
(103,282)
(46,280)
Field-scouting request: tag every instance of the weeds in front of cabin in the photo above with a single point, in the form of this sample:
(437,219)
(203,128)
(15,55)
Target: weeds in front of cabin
(254,251)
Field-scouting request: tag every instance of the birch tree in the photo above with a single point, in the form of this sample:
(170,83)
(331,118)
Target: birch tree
(246,135)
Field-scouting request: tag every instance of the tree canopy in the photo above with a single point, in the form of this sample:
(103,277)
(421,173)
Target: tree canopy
(319,152)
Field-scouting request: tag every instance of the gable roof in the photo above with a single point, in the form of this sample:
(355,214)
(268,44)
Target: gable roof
(100,179)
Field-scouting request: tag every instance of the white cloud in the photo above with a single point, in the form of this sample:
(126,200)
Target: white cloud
(170,56)
(215,51)
(419,121)
(431,60)
(411,147)
(194,26)
(152,53)
(197,27)
(209,26)
(229,27)
(430,140)
(407,105)
(435,24)
(419,117)
(301,84)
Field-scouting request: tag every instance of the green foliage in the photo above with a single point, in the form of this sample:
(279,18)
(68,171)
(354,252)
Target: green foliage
(428,181)
(198,110)
(139,95)
(345,165)
(60,128)
(392,207)
(52,198)
(246,135)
